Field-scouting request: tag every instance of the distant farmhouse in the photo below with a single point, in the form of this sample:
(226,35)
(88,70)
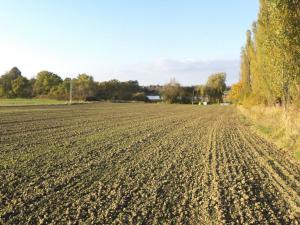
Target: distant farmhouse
(154,98)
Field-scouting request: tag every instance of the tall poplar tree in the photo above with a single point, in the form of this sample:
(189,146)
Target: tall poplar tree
(270,60)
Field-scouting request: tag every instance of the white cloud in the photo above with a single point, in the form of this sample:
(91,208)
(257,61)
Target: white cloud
(187,72)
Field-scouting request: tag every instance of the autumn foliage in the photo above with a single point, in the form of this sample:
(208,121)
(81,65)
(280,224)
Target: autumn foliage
(270,59)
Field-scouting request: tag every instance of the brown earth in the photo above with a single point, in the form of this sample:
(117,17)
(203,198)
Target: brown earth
(141,164)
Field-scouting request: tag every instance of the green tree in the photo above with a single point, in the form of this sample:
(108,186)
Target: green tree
(128,89)
(21,87)
(172,92)
(61,91)
(6,82)
(246,70)
(215,87)
(139,96)
(202,92)
(108,90)
(275,71)
(45,81)
(116,90)
(188,93)
(14,73)
(84,86)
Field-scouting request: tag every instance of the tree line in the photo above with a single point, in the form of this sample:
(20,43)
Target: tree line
(50,85)
(211,92)
(270,59)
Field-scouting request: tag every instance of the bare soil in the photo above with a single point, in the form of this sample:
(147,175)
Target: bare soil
(141,164)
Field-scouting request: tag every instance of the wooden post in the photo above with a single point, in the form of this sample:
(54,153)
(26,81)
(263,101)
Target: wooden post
(193,97)
(71,87)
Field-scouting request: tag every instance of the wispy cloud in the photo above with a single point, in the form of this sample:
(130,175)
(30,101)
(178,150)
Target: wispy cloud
(187,72)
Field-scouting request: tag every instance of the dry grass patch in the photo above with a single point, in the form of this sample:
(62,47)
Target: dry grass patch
(281,127)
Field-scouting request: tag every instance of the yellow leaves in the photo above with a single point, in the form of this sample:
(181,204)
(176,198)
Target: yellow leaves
(235,93)
(271,60)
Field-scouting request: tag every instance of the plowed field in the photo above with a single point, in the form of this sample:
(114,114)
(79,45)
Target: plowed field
(141,164)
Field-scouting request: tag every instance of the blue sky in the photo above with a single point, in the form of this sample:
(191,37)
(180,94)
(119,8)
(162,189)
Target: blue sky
(145,40)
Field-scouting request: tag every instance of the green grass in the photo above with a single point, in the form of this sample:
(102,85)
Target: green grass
(266,130)
(24,101)
(297,154)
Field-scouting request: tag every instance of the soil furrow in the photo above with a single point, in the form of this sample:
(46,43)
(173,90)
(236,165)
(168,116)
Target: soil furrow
(141,164)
